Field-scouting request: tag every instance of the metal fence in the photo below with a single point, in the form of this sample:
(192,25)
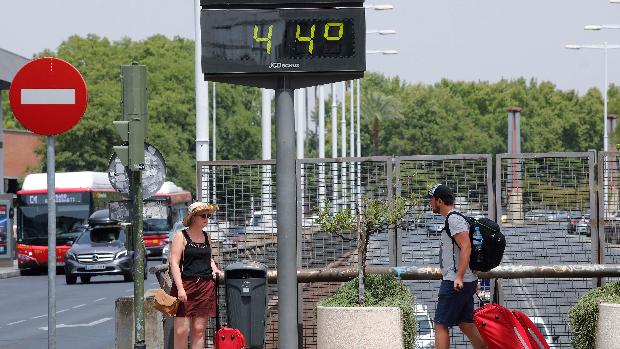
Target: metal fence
(547,205)
(543,201)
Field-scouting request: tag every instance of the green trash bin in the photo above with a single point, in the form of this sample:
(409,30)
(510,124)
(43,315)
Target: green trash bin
(246,300)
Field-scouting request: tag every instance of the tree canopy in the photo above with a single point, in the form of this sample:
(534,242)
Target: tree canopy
(398,118)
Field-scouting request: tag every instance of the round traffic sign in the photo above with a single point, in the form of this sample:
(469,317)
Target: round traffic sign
(153,175)
(48,96)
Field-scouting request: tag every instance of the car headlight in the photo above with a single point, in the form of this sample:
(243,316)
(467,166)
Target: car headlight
(71,255)
(121,254)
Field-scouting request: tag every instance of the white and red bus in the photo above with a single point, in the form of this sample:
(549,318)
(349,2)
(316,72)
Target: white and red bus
(156,228)
(78,195)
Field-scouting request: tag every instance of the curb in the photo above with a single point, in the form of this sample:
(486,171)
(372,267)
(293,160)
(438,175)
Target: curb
(9,274)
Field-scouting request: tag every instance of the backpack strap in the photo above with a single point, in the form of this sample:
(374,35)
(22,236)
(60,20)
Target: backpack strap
(447,229)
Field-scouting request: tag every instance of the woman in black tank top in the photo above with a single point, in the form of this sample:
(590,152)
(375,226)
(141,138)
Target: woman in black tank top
(193,270)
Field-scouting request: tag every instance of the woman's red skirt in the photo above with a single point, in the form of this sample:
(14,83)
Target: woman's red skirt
(200,297)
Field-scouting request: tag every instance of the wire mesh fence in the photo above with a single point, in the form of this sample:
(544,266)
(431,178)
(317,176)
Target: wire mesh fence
(546,204)
(418,244)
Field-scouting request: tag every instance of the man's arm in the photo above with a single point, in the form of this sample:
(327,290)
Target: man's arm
(462,240)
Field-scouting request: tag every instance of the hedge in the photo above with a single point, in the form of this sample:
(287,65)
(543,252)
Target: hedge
(583,316)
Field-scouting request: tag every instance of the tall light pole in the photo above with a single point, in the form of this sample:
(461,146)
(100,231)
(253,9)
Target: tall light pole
(605,47)
(202,97)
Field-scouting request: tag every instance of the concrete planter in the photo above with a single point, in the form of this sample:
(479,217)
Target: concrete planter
(359,328)
(608,326)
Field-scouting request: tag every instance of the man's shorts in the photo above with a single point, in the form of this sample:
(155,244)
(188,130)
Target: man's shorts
(455,307)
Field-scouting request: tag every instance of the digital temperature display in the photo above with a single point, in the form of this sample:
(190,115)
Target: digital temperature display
(283,40)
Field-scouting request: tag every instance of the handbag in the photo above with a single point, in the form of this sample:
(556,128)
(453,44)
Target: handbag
(166,303)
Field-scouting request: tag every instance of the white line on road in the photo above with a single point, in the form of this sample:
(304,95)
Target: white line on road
(78,306)
(16,322)
(129,289)
(36,317)
(90,324)
(62,311)
(99,299)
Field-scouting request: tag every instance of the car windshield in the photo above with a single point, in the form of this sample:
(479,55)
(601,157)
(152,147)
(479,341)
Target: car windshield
(424,325)
(102,235)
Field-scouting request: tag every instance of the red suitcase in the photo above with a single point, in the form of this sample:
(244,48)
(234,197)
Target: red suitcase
(229,338)
(536,339)
(225,337)
(500,328)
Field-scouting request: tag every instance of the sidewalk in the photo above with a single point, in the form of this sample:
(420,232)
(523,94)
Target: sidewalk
(9,272)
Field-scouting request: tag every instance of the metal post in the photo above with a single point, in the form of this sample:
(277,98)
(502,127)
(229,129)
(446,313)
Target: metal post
(343,142)
(359,144)
(285,205)
(138,269)
(266,147)
(202,96)
(334,146)
(2,152)
(51,244)
(605,163)
(321,133)
(353,192)
(214,143)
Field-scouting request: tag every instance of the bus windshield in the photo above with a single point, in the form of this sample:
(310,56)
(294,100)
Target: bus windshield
(156,224)
(69,222)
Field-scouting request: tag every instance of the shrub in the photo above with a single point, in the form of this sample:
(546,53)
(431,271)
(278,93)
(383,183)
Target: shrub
(583,316)
(380,291)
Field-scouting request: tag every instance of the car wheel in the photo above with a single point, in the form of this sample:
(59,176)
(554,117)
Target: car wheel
(85,279)
(128,277)
(70,279)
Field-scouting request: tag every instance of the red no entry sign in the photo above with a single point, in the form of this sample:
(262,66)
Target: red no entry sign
(48,96)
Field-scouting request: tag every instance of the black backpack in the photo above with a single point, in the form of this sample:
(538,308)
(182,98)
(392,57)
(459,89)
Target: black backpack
(493,243)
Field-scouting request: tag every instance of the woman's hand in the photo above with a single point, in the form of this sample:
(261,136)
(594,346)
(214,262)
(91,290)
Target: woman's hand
(217,272)
(182,295)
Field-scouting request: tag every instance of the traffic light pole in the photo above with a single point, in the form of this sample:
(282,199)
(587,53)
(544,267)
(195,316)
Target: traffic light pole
(133,131)
(138,271)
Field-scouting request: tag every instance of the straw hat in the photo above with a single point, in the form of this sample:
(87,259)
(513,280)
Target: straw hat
(198,207)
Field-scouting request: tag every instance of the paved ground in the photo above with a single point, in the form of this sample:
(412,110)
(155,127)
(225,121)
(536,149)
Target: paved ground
(84,312)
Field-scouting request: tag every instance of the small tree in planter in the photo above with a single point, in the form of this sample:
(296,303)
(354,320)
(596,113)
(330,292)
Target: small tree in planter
(369,216)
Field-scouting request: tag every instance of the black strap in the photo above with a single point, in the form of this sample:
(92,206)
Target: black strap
(447,229)
(217,303)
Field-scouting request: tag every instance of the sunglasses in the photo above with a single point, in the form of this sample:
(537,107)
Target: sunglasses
(204,216)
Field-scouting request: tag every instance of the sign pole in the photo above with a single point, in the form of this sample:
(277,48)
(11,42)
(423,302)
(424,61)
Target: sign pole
(286,208)
(138,238)
(51,245)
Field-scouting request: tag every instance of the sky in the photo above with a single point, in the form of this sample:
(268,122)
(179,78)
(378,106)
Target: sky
(470,40)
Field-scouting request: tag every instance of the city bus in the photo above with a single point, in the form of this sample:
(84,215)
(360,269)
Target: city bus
(78,195)
(156,227)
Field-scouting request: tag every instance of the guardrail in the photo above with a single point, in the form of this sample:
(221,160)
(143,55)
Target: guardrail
(434,273)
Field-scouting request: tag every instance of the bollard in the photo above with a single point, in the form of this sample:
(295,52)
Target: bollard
(608,326)
(124,327)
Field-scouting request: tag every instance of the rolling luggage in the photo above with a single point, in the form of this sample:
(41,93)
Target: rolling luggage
(226,337)
(502,329)
(499,328)
(537,340)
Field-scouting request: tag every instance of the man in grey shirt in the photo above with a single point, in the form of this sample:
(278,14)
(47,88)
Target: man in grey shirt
(455,304)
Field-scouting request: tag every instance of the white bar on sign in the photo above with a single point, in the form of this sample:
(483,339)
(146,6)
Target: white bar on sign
(48,96)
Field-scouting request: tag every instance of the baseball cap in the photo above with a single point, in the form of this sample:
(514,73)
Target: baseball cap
(440,191)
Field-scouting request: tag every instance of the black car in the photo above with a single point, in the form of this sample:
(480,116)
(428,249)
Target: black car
(100,250)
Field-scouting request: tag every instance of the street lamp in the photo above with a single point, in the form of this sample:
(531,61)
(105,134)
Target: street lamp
(379,7)
(605,47)
(381,32)
(601,26)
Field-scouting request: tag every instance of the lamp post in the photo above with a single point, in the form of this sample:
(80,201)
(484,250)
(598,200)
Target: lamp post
(605,47)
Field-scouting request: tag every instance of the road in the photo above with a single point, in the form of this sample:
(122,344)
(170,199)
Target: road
(84,312)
